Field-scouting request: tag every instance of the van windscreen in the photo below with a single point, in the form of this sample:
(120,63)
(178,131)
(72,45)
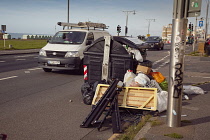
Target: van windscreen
(68,37)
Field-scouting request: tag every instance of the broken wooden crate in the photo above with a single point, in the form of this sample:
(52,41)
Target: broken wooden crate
(131,97)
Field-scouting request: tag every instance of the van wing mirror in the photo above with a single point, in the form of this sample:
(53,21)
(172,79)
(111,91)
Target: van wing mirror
(88,42)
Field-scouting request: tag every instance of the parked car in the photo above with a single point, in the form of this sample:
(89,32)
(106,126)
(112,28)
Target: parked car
(155,42)
(207,46)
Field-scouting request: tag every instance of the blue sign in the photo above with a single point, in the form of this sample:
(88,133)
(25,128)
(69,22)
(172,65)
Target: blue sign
(200,23)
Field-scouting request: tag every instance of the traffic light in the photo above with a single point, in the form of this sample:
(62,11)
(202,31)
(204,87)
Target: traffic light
(118,29)
(190,27)
(126,29)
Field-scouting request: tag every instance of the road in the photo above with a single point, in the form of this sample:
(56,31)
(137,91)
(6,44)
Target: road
(39,105)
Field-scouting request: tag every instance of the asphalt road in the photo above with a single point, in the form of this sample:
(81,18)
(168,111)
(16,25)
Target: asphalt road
(17,62)
(38,105)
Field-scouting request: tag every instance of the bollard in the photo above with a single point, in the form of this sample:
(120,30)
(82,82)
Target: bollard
(10,46)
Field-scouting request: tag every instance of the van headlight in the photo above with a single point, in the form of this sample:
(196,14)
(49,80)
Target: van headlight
(72,54)
(42,52)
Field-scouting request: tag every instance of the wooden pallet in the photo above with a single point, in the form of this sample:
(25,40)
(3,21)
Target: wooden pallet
(131,97)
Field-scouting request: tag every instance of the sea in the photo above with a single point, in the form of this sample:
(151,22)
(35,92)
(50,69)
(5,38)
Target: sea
(20,35)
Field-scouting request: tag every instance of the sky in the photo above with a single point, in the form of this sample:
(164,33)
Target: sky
(41,16)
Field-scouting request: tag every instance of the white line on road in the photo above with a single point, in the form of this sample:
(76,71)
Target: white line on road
(2,61)
(8,78)
(35,69)
(162,58)
(20,59)
(23,56)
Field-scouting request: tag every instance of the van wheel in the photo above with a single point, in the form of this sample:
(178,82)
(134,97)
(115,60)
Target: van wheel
(47,70)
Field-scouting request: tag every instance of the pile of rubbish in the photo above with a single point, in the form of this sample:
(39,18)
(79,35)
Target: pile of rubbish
(145,77)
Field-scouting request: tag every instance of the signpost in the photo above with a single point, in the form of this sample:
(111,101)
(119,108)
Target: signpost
(200,23)
(181,10)
(3,28)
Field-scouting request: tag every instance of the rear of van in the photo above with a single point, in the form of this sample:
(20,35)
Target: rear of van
(65,50)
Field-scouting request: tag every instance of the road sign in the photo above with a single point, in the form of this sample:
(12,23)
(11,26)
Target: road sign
(194,8)
(3,27)
(200,23)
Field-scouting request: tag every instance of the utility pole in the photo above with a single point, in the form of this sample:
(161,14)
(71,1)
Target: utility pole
(149,20)
(126,26)
(178,38)
(68,13)
(181,10)
(195,34)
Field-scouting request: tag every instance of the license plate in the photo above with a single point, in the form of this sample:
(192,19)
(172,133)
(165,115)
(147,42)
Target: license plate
(54,62)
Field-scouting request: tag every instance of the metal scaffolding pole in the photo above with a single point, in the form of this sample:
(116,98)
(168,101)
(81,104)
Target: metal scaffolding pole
(178,41)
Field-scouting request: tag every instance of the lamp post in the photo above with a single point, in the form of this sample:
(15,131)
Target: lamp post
(68,13)
(126,26)
(149,20)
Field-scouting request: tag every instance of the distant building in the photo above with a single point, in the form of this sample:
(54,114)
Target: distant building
(37,37)
(166,33)
(6,36)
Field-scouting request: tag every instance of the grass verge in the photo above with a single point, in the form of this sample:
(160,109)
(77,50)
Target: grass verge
(174,135)
(131,131)
(19,44)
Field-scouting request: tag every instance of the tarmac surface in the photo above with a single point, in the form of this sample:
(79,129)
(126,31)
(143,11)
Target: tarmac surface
(195,121)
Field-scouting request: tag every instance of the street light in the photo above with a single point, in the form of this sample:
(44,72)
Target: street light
(126,26)
(68,13)
(149,20)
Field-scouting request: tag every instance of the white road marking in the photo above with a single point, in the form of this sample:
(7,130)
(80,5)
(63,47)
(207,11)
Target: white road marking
(163,63)
(8,78)
(2,61)
(20,59)
(35,69)
(23,56)
(161,59)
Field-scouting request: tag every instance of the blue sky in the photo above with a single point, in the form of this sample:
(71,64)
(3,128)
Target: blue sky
(41,16)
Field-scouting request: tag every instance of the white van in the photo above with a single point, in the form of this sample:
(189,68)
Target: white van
(65,50)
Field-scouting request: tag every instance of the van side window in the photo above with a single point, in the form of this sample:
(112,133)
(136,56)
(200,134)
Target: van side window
(90,36)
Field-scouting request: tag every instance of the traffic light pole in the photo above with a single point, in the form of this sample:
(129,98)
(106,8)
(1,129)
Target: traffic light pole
(178,41)
(195,35)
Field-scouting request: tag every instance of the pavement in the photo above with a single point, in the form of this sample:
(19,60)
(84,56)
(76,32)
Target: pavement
(195,116)
(195,120)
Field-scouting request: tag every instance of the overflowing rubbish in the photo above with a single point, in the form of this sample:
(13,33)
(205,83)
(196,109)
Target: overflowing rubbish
(142,79)
(129,78)
(162,98)
(151,80)
(157,76)
(110,97)
(188,89)
(120,78)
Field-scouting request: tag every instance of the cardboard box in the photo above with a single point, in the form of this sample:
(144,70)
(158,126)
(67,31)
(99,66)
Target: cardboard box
(143,69)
